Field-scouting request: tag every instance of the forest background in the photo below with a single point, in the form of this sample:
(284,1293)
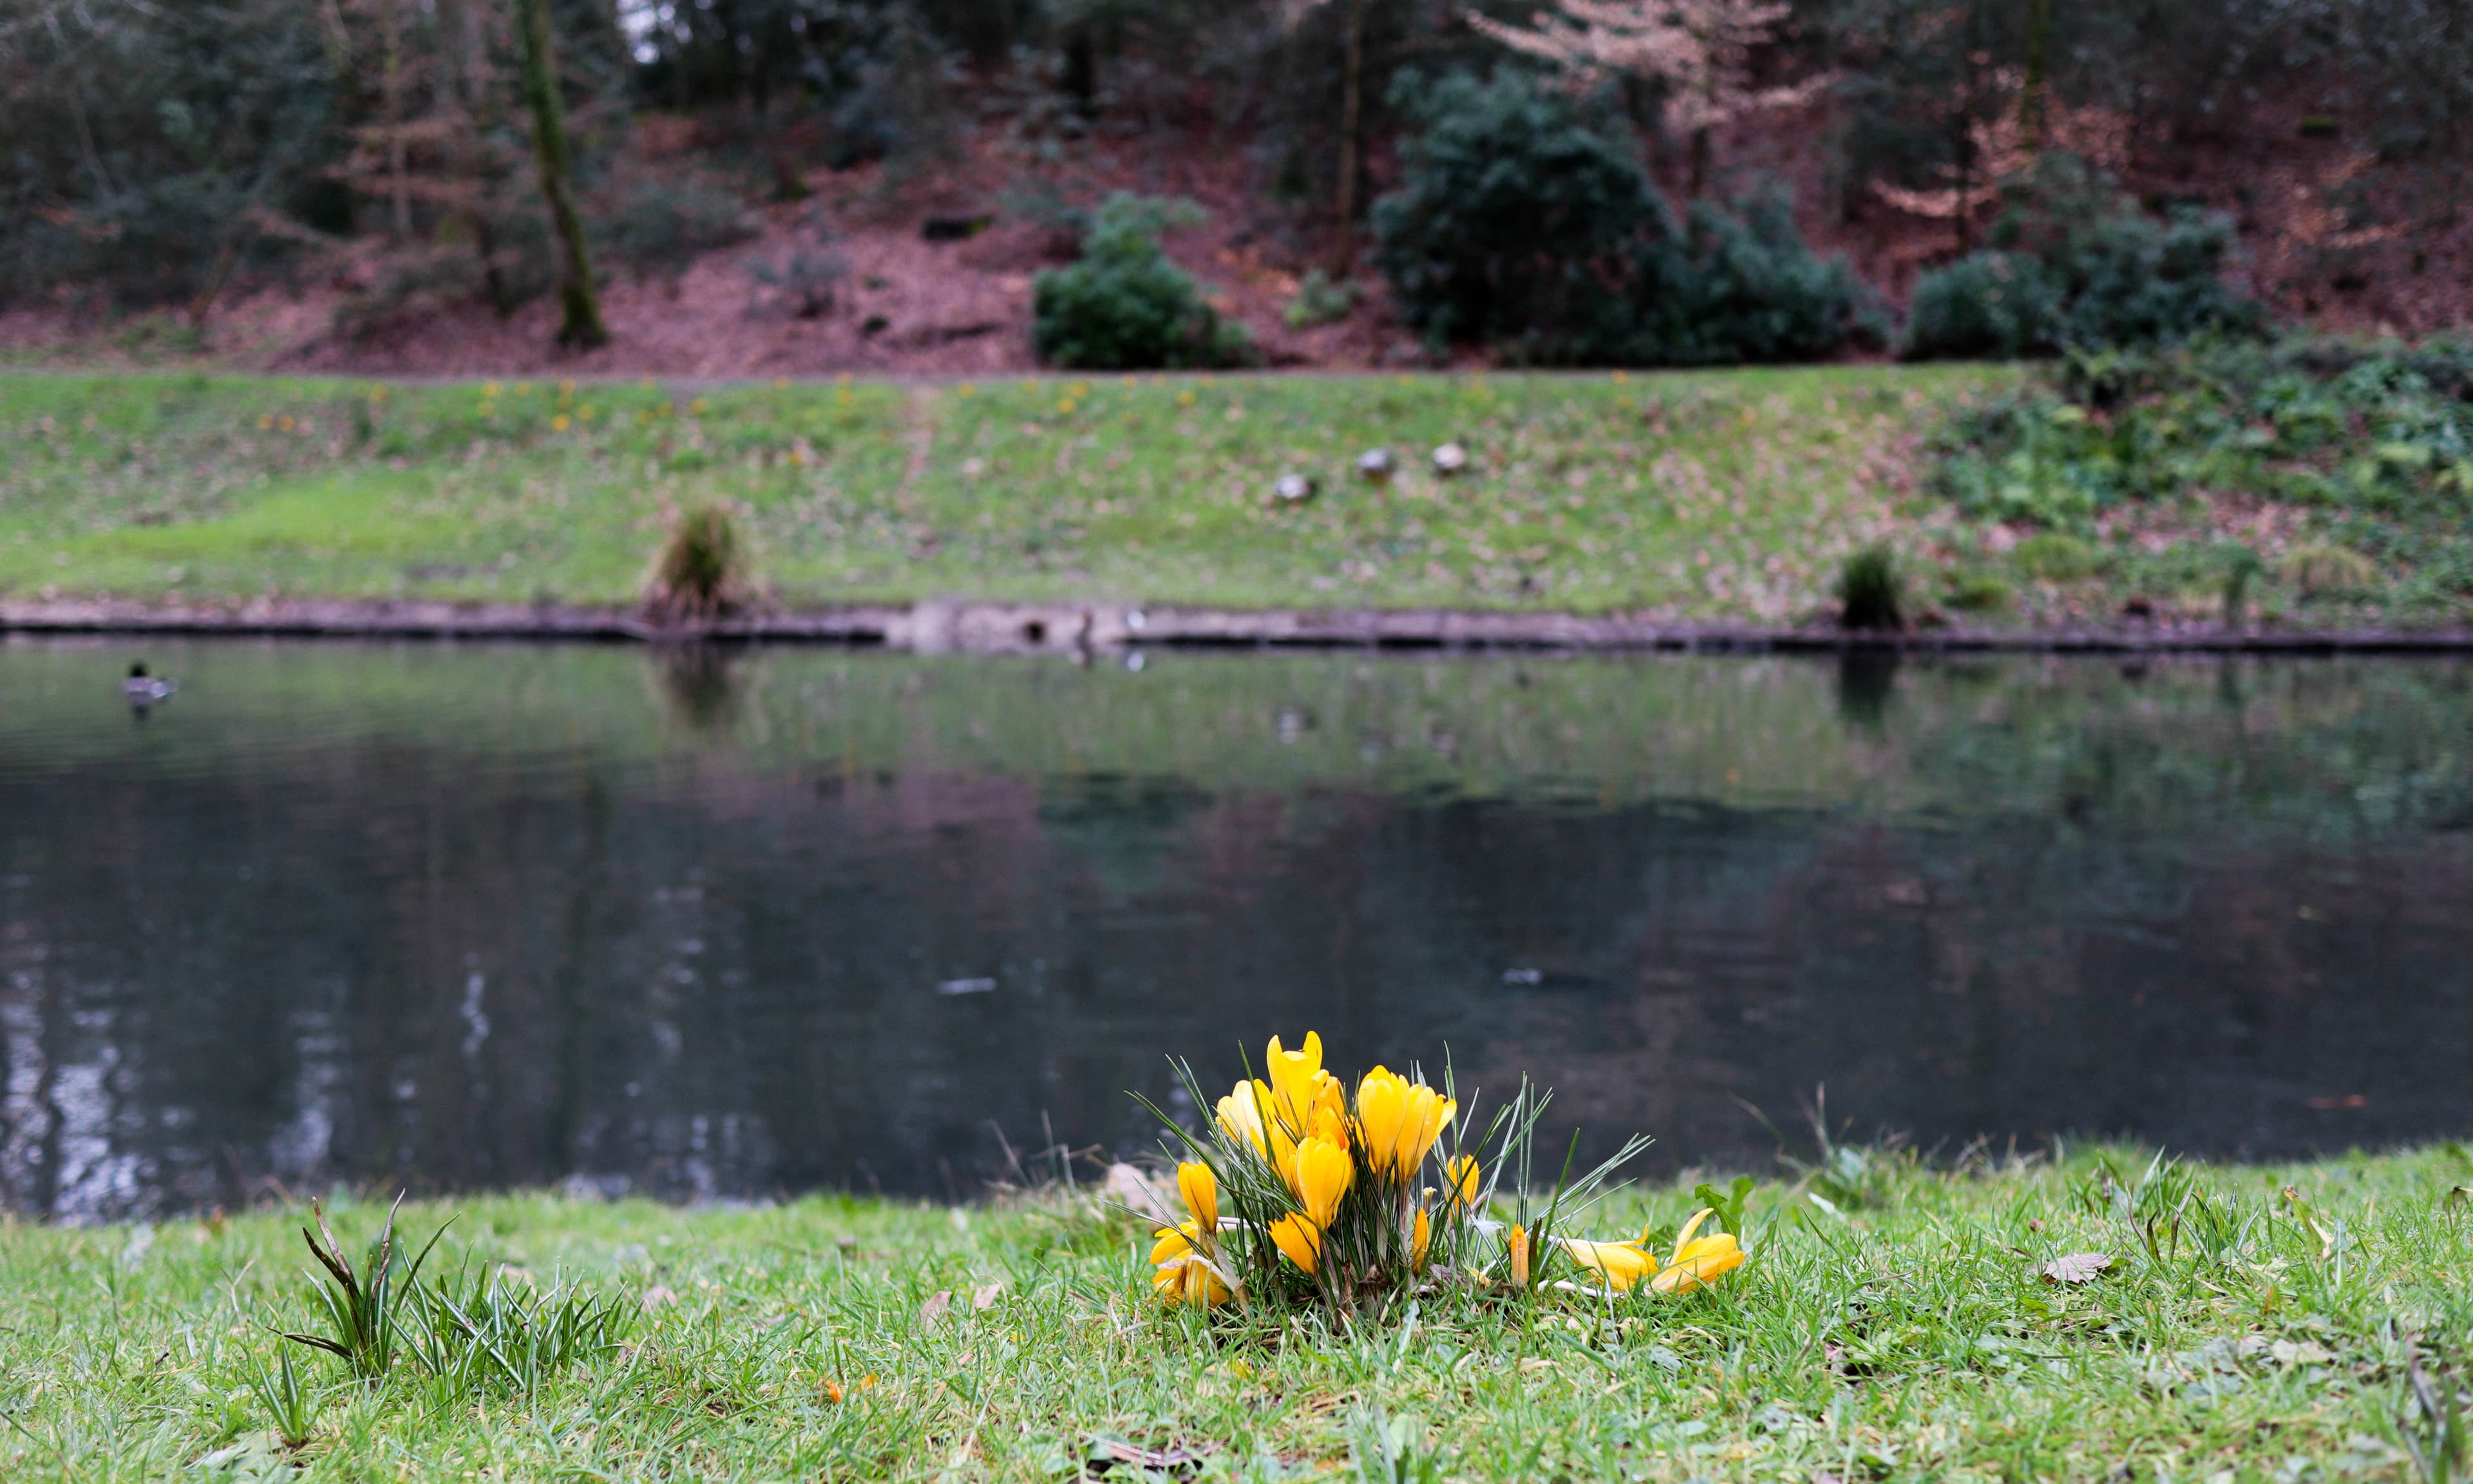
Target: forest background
(801,187)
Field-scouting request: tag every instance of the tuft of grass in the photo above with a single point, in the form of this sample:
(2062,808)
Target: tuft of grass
(364,1310)
(700,570)
(1870,590)
(292,1406)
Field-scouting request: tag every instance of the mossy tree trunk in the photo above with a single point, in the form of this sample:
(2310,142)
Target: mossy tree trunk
(580,326)
(1352,132)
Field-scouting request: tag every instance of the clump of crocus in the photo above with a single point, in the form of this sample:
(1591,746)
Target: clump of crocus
(1306,1190)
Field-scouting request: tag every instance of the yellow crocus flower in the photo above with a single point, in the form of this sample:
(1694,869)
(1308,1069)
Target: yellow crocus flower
(1301,1239)
(1401,1120)
(1240,1114)
(1462,1175)
(1176,1243)
(1420,1238)
(1191,1281)
(1297,1079)
(1320,1174)
(1520,1257)
(1698,1264)
(1618,1265)
(1201,1191)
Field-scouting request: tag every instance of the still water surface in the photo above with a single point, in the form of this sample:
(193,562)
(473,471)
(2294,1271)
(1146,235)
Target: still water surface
(733,925)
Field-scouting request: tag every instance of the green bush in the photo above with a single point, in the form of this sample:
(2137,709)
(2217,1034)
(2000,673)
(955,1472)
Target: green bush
(1743,285)
(2077,265)
(1125,306)
(1518,226)
(1988,307)
(1870,590)
(1515,224)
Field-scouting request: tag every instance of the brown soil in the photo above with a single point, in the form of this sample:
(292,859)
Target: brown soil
(2332,240)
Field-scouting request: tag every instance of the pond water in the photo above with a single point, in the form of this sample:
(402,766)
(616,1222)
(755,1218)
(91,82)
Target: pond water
(734,923)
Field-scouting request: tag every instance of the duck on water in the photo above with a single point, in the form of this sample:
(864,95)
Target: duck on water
(143,690)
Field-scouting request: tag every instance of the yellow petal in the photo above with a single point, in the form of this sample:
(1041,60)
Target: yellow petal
(1699,1264)
(1420,1238)
(1617,1264)
(1301,1239)
(1322,1176)
(1174,1244)
(1190,1280)
(1520,1257)
(1462,1177)
(1201,1191)
(1293,1073)
(1240,1115)
(1684,1239)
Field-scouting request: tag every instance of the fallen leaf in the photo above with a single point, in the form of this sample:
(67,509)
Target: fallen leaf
(2078,1267)
(986,1297)
(934,1309)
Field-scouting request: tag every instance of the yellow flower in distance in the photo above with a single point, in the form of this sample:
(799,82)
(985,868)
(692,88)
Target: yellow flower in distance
(1618,1265)
(1320,1174)
(1420,1238)
(1462,1173)
(1191,1281)
(1400,1120)
(1301,1239)
(1698,1264)
(1201,1191)
(1520,1257)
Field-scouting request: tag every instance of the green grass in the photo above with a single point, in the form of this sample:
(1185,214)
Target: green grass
(1723,495)
(1729,497)
(2240,1334)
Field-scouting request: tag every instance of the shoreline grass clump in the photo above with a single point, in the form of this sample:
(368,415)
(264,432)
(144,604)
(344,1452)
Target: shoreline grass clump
(1355,1200)
(701,571)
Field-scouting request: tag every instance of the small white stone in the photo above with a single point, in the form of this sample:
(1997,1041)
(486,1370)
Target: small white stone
(1293,489)
(1449,459)
(1374,463)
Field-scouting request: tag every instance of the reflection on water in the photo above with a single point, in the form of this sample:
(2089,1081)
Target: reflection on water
(705,923)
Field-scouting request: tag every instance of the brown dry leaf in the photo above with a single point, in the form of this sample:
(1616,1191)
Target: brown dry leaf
(2078,1267)
(985,1296)
(934,1309)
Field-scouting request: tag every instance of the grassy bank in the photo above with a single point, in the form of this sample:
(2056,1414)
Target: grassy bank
(1897,1329)
(1721,498)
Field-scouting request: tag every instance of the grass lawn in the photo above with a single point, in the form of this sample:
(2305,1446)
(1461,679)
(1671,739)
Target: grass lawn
(1901,1330)
(1723,496)
(1727,497)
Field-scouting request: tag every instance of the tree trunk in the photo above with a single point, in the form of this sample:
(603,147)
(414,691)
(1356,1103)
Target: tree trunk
(2030,98)
(1352,127)
(580,324)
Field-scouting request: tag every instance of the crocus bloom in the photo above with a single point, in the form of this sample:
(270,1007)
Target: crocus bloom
(1698,1264)
(1176,1243)
(1295,1078)
(1190,1280)
(1420,1238)
(1201,1191)
(1462,1175)
(1320,1174)
(1520,1257)
(1617,1264)
(1401,1120)
(1240,1114)
(1301,1239)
